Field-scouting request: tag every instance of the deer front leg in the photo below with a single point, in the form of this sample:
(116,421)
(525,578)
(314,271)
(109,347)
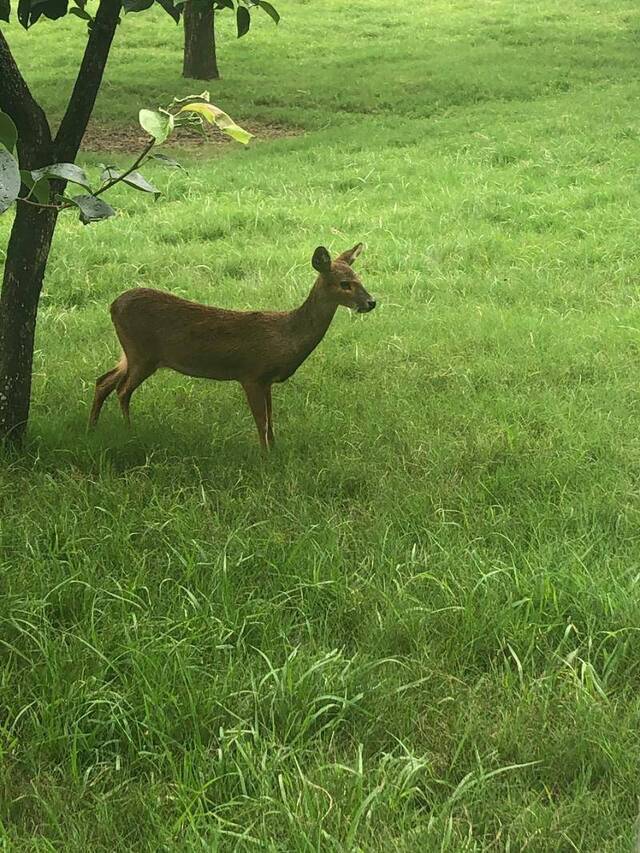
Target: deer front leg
(257,394)
(270,436)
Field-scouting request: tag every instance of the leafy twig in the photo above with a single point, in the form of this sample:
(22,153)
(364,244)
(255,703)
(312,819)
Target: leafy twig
(121,177)
(66,204)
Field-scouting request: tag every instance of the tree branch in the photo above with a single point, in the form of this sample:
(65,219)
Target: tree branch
(34,133)
(42,204)
(85,90)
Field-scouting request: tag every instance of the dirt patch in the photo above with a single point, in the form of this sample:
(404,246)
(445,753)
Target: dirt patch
(102,137)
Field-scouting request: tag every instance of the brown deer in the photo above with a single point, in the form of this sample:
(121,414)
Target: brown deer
(255,348)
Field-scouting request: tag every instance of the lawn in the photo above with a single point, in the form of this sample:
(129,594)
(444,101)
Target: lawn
(416,625)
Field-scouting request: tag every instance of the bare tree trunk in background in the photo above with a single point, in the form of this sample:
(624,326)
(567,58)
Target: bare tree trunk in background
(200,61)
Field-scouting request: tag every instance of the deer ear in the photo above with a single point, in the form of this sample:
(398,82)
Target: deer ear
(351,254)
(321,260)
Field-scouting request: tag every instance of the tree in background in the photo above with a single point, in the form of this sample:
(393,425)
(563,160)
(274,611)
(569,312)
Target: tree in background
(36,182)
(200,60)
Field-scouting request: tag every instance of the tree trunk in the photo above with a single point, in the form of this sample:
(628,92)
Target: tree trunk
(33,227)
(25,264)
(200,61)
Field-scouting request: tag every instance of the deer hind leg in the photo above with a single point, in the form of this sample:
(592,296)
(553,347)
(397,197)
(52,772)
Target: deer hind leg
(257,395)
(105,384)
(136,375)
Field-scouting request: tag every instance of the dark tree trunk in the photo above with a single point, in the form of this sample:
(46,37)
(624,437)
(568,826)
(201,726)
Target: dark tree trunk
(26,257)
(26,262)
(200,61)
(88,81)
(33,227)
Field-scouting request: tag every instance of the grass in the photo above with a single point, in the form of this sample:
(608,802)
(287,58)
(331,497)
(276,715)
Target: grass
(414,626)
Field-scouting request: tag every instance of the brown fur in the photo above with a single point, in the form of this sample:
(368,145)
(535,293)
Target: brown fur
(254,348)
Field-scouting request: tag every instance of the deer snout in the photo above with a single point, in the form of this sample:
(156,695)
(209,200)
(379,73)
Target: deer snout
(368,304)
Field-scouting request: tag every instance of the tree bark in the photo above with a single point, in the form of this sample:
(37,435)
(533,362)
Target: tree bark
(33,227)
(34,134)
(88,81)
(27,255)
(200,62)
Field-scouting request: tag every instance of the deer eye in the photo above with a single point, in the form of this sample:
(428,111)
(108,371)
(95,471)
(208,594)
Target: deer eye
(345,285)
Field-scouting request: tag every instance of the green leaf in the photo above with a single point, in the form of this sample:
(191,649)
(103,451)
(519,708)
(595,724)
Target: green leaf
(216,116)
(136,5)
(65,172)
(139,182)
(92,208)
(108,172)
(38,190)
(223,4)
(157,124)
(171,9)
(24,10)
(9,179)
(30,11)
(190,99)
(41,191)
(269,9)
(243,20)
(5,9)
(166,161)
(53,9)
(80,13)
(133,179)
(8,131)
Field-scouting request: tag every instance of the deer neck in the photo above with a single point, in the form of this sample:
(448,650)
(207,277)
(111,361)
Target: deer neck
(311,320)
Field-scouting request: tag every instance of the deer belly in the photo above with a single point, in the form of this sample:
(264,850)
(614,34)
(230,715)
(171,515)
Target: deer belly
(282,376)
(221,370)
(284,373)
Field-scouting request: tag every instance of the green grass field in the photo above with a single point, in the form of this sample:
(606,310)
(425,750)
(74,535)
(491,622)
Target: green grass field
(416,625)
